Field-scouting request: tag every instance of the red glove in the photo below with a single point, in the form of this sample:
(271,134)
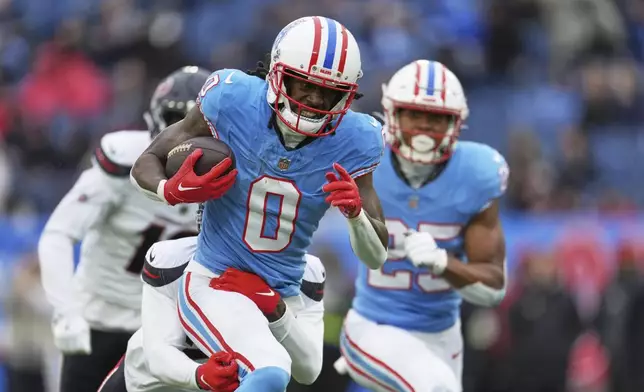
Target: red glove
(219,374)
(250,285)
(344,192)
(187,187)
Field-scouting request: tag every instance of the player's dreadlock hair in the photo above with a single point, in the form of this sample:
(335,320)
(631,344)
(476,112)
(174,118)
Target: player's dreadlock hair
(261,71)
(199,217)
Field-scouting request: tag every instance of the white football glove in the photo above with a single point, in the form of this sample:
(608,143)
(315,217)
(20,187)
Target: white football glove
(341,366)
(422,251)
(72,334)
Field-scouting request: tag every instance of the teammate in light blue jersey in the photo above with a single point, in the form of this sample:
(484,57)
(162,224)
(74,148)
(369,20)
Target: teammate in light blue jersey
(298,149)
(446,242)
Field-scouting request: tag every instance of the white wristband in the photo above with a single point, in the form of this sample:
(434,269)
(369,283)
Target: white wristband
(156,196)
(161,190)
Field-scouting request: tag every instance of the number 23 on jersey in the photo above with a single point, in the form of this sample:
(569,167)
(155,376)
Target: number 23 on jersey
(403,279)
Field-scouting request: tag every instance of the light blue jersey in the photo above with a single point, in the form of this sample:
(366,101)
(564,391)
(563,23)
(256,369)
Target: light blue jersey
(400,294)
(265,222)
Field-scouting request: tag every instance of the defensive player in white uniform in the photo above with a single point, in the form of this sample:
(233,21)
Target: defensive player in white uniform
(440,199)
(97,307)
(159,357)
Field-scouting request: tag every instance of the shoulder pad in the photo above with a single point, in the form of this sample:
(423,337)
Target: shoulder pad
(487,174)
(224,89)
(224,82)
(314,278)
(118,151)
(362,122)
(166,261)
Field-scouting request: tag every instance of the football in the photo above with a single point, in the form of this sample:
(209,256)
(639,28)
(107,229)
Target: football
(214,151)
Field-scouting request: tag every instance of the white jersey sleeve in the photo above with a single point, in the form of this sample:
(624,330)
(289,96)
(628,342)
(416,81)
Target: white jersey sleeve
(86,204)
(302,332)
(163,336)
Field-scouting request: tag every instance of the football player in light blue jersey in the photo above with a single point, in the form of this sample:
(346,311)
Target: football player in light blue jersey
(440,198)
(298,150)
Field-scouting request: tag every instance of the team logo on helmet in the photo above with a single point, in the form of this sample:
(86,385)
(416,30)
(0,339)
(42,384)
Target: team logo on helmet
(285,30)
(164,88)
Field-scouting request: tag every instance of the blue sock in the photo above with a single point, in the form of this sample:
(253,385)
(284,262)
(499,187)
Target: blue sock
(268,379)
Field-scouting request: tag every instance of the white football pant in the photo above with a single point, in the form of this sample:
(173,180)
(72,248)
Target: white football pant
(390,359)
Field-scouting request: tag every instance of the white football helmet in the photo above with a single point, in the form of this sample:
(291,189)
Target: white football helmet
(425,86)
(323,52)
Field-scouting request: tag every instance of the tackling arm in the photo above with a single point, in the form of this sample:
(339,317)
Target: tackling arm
(367,231)
(85,204)
(162,335)
(482,279)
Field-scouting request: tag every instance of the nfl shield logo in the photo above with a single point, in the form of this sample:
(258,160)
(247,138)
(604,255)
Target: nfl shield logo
(283,164)
(413,202)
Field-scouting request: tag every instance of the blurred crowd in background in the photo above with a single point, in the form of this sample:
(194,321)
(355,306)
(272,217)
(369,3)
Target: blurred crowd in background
(555,85)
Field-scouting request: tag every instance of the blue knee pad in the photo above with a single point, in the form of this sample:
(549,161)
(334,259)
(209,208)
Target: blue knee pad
(268,379)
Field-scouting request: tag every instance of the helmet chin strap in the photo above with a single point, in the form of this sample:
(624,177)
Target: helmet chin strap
(305,124)
(291,138)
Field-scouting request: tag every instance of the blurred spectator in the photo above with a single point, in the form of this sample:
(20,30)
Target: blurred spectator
(531,178)
(613,94)
(30,353)
(5,178)
(507,24)
(616,309)
(543,325)
(578,28)
(131,96)
(588,365)
(63,81)
(576,170)
(633,338)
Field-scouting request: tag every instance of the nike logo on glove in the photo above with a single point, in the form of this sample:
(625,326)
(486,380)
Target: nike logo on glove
(206,384)
(270,293)
(181,188)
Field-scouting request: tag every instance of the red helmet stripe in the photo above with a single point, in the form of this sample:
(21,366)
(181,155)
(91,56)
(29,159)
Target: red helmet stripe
(343,51)
(317,41)
(417,84)
(444,87)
